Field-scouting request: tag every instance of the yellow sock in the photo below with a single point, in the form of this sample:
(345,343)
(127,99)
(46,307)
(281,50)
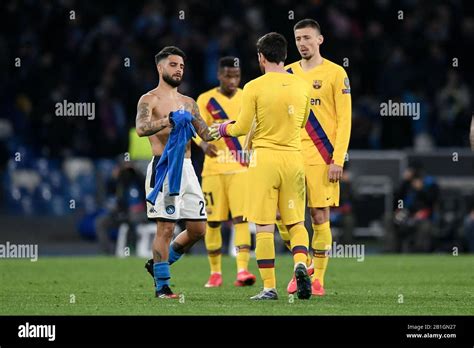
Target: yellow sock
(285,236)
(299,243)
(322,242)
(309,259)
(242,243)
(265,253)
(213,241)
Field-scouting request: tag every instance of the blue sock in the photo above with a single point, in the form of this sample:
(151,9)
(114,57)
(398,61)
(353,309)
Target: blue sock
(162,274)
(173,255)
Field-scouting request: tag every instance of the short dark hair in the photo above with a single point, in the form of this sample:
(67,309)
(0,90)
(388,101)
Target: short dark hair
(307,23)
(273,47)
(229,62)
(169,51)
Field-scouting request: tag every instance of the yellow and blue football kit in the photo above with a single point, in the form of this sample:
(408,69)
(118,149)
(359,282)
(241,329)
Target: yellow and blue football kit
(325,138)
(278,105)
(223,176)
(224,180)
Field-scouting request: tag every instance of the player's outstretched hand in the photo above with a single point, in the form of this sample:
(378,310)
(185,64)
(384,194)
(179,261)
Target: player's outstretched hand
(209,149)
(214,131)
(335,172)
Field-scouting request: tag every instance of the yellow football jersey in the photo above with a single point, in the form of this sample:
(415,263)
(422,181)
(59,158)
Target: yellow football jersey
(215,108)
(279,102)
(325,138)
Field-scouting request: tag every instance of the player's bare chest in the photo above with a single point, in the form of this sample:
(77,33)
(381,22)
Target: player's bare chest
(165,106)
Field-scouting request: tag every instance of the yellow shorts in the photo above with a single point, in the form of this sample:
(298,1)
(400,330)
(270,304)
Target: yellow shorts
(321,192)
(224,192)
(276,181)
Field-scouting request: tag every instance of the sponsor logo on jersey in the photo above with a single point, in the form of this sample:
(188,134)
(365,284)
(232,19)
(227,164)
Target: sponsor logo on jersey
(315,101)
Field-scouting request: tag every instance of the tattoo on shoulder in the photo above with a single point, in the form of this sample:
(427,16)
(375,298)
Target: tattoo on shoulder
(190,106)
(195,109)
(143,110)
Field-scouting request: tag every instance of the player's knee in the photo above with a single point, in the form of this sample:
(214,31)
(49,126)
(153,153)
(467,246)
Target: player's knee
(265,228)
(213,241)
(319,219)
(290,227)
(319,216)
(214,224)
(165,230)
(197,232)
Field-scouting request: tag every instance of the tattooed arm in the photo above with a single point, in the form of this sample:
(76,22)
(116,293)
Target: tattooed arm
(198,122)
(144,123)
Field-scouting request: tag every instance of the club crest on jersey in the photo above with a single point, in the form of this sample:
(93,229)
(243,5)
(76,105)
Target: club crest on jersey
(317,84)
(170,209)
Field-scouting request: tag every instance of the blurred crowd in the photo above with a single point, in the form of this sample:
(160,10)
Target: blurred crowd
(427,217)
(103,52)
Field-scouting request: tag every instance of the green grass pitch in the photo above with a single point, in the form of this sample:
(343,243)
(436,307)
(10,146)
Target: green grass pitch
(380,285)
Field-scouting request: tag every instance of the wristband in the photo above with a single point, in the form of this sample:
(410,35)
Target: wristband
(223,128)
